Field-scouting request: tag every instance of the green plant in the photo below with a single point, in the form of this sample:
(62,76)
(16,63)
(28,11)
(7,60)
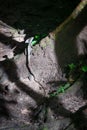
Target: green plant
(73,72)
(37,39)
(61,89)
(84,68)
(72,66)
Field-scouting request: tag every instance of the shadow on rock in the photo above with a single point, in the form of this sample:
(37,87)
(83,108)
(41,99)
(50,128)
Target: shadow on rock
(10,69)
(67,47)
(69,50)
(4,103)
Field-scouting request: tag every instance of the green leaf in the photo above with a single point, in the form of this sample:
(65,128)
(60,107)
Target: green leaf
(33,42)
(37,37)
(53,94)
(66,86)
(84,68)
(61,89)
(72,66)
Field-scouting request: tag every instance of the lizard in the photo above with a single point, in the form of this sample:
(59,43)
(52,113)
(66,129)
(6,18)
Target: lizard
(28,53)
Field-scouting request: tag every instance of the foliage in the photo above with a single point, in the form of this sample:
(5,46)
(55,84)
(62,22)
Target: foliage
(37,39)
(84,68)
(72,66)
(73,72)
(61,89)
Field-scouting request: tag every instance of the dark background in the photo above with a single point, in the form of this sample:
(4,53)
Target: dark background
(36,16)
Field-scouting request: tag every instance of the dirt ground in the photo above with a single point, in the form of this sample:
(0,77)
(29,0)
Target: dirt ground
(24,87)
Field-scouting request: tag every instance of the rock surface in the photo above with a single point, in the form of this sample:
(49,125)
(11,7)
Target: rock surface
(24,88)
